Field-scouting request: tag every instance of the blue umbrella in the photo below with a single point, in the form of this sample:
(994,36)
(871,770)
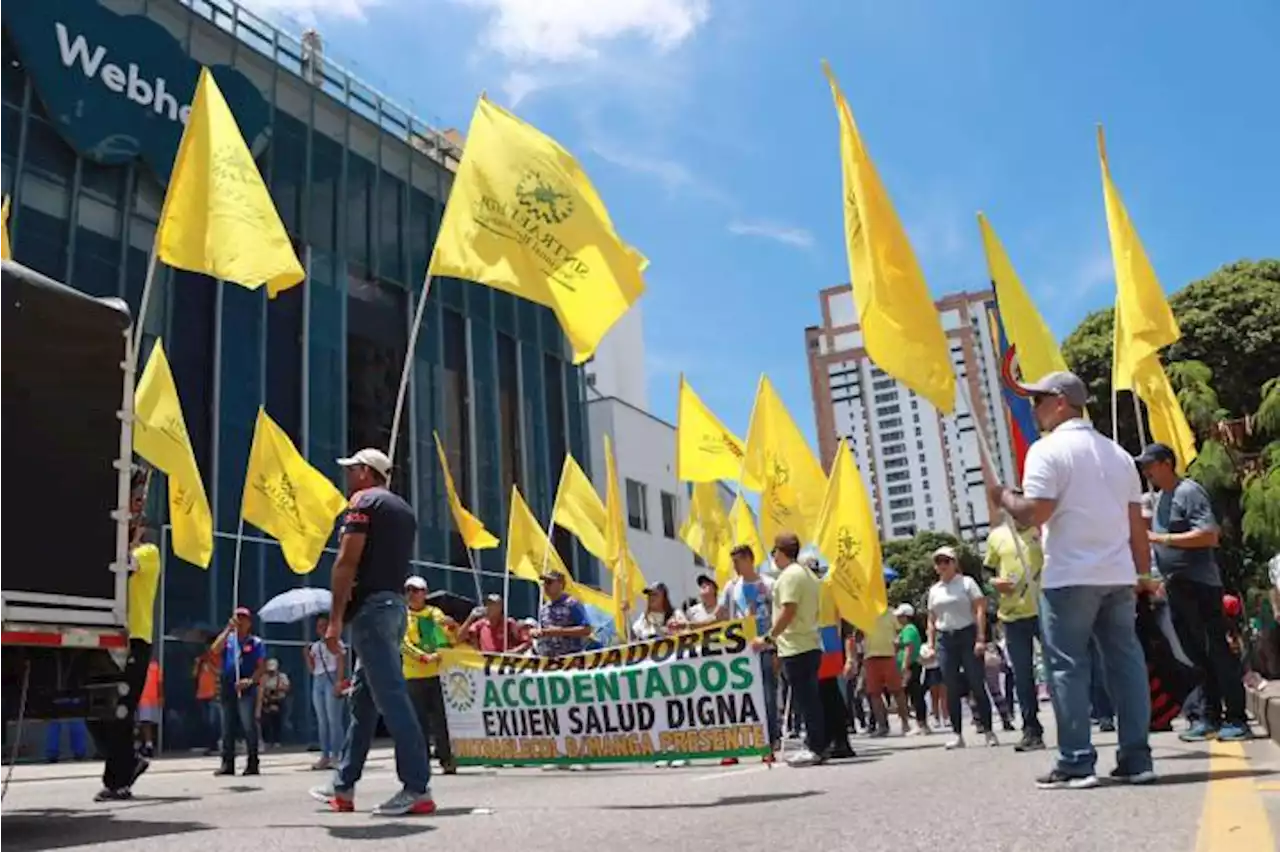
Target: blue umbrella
(295,605)
(889,574)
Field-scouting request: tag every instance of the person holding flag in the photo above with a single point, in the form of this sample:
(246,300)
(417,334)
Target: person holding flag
(428,630)
(244,661)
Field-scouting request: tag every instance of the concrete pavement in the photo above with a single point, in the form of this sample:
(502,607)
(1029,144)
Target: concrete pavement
(899,794)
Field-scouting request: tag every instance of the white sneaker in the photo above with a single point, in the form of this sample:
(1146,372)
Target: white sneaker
(679,764)
(803,758)
(955,743)
(661,764)
(992,740)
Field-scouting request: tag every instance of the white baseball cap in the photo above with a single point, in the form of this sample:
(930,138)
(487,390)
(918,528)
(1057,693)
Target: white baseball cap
(371,458)
(945,552)
(905,610)
(415,582)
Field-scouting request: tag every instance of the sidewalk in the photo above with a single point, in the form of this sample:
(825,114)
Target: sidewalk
(296,757)
(1264,704)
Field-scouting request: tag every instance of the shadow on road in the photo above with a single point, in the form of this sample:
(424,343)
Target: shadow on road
(59,828)
(725,802)
(383,831)
(1218,775)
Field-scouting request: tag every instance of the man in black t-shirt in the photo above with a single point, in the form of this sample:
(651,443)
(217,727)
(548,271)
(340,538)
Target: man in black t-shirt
(374,549)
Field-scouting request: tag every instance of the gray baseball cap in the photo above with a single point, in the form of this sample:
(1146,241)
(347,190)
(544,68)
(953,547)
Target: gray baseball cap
(1065,384)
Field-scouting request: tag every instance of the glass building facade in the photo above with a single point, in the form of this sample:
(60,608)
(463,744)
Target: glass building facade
(361,187)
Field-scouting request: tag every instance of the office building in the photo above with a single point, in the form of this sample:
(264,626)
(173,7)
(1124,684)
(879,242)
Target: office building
(94,98)
(923,469)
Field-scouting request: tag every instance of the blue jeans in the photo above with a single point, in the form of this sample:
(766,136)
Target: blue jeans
(769,681)
(379,687)
(328,709)
(1100,707)
(955,653)
(238,713)
(1071,617)
(1020,637)
(802,677)
(76,732)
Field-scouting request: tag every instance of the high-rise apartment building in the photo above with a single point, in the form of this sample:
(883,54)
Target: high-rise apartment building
(923,469)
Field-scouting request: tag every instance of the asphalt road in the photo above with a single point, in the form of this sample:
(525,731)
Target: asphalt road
(899,794)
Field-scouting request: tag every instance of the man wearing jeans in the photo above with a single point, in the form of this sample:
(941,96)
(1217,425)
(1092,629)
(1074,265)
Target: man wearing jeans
(1019,561)
(376,544)
(751,594)
(1184,534)
(794,635)
(1084,490)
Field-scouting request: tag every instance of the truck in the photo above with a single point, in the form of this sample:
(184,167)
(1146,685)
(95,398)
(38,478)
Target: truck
(69,491)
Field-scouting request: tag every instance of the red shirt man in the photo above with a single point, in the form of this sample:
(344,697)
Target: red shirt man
(488,630)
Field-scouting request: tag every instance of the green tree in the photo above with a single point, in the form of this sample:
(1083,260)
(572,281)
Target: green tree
(912,558)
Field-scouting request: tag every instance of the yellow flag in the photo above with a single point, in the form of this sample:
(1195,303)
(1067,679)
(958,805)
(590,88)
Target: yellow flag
(218,218)
(847,536)
(1034,345)
(529,549)
(743,524)
(524,218)
(778,456)
(579,509)
(1149,324)
(287,498)
(5,252)
(160,437)
(901,330)
(705,450)
(472,529)
(1164,413)
(707,531)
(628,582)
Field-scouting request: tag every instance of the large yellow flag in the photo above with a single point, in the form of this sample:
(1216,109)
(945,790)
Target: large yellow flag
(579,509)
(523,217)
(1034,345)
(705,450)
(160,436)
(1164,413)
(901,329)
(628,581)
(472,529)
(707,530)
(529,549)
(743,524)
(218,218)
(5,252)
(847,536)
(778,456)
(1149,324)
(287,498)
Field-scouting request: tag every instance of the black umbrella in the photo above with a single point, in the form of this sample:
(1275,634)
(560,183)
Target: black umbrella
(456,607)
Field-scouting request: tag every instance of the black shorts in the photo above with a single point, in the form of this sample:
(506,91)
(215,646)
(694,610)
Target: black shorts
(932,677)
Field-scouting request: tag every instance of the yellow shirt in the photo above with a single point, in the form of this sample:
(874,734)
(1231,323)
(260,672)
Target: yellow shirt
(798,586)
(880,640)
(143,582)
(426,633)
(1002,553)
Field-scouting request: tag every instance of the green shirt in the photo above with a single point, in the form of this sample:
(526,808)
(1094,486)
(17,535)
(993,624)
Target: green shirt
(798,585)
(909,643)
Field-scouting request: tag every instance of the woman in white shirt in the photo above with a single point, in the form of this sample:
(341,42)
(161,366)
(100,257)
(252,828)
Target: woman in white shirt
(658,612)
(328,682)
(957,631)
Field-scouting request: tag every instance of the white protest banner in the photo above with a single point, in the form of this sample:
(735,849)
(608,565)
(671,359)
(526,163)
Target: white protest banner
(694,695)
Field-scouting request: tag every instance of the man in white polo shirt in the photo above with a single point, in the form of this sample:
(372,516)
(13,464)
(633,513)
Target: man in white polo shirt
(1084,490)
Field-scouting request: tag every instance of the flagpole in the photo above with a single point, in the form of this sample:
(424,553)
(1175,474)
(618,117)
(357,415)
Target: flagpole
(141,319)
(475,575)
(408,368)
(1115,412)
(1137,414)
(235,579)
(988,463)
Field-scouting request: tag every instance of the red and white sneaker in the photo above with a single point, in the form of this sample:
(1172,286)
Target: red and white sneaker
(406,803)
(343,804)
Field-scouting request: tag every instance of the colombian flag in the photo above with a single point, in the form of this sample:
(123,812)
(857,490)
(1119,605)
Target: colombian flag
(832,663)
(1022,421)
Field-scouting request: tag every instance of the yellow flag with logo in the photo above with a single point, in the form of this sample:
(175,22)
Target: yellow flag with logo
(1168,422)
(218,218)
(1149,324)
(707,531)
(287,498)
(524,218)
(529,549)
(792,482)
(706,451)
(901,329)
(160,436)
(1033,344)
(579,509)
(743,524)
(5,252)
(472,529)
(628,581)
(847,537)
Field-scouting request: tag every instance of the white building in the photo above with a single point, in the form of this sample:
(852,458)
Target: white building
(923,469)
(617,369)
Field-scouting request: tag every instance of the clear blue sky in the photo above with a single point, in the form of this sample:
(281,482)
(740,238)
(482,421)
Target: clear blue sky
(709,131)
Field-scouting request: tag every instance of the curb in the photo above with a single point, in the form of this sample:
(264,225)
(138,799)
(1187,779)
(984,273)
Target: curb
(1266,709)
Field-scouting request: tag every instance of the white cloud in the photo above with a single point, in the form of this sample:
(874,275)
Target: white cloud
(777,231)
(310,11)
(559,31)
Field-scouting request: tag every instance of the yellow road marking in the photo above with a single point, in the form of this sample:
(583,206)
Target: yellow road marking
(1234,816)
(1269,786)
